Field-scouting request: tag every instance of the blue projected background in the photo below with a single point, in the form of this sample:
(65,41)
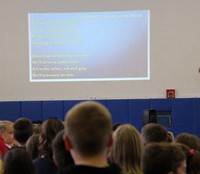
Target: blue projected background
(89,46)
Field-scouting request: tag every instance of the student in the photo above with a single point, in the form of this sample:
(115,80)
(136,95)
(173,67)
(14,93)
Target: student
(22,130)
(88,135)
(163,158)
(44,164)
(17,161)
(192,159)
(190,140)
(61,157)
(32,146)
(127,149)
(6,136)
(153,132)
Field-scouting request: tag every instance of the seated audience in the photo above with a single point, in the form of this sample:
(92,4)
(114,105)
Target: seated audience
(127,149)
(163,158)
(44,163)
(22,130)
(88,135)
(61,157)
(190,140)
(192,159)
(17,161)
(32,146)
(153,132)
(6,136)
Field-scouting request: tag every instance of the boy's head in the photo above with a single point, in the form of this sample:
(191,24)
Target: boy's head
(163,158)
(22,130)
(153,132)
(88,128)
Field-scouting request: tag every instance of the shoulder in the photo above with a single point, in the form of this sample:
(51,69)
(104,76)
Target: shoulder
(73,169)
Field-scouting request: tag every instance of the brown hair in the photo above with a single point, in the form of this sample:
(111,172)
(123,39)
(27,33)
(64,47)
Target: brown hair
(88,126)
(49,130)
(161,158)
(190,140)
(22,129)
(192,159)
(153,132)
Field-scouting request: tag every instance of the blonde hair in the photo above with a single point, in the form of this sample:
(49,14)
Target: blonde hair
(4,124)
(127,149)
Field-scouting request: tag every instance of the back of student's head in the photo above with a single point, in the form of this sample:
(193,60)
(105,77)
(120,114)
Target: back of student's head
(50,128)
(190,140)
(88,126)
(162,158)
(32,145)
(127,148)
(153,132)
(22,130)
(17,161)
(61,157)
(192,159)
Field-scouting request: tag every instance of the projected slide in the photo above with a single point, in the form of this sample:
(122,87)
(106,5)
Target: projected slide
(89,46)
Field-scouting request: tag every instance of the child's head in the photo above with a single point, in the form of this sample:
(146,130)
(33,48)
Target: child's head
(88,127)
(23,129)
(163,158)
(50,128)
(127,148)
(190,140)
(6,132)
(17,160)
(61,156)
(153,132)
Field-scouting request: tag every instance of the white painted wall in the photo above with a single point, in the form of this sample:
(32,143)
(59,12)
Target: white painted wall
(174,52)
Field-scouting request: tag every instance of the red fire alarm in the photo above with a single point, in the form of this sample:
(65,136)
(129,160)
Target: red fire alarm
(170,93)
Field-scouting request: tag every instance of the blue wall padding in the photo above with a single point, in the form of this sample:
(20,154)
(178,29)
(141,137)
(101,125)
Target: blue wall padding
(53,109)
(136,108)
(185,111)
(162,104)
(10,110)
(119,110)
(196,121)
(183,116)
(32,110)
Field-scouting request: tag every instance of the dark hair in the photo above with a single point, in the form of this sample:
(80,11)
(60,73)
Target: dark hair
(192,159)
(22,130)
(161,158)
(153,132)
(32,145)
(190,140)
(49,130)
(115,126)
(17,161)
(61,156)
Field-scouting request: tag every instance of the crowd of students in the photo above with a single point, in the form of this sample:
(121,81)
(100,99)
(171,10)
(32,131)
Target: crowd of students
(88,143)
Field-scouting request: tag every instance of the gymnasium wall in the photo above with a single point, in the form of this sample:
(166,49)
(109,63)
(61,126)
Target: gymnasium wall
(185,111)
